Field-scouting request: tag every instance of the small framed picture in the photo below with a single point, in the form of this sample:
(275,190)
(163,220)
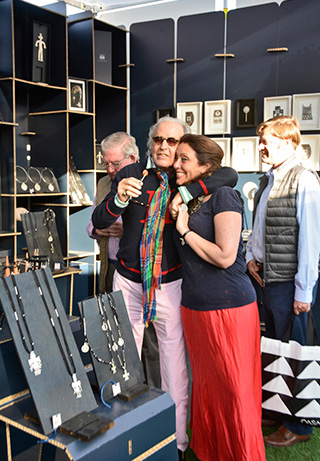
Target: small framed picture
(191,113)
(99,165)
(245,155)
(246,113)
(310,145)
(275,106)
(225,144)
(165,113)
(77,95)
(217,117)
(306,107)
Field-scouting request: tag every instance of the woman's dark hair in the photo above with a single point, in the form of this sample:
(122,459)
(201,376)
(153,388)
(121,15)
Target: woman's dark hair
(207,150)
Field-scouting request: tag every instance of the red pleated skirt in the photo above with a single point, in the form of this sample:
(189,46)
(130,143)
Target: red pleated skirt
(224,351)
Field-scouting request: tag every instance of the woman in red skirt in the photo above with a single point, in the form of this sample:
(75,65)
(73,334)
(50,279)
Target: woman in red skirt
(219,313)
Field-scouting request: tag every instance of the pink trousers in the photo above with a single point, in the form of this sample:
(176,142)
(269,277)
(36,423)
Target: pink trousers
(168,327)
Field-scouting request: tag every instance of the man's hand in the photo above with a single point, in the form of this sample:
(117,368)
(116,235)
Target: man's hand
(299,307)
(115,230)
(129,187)
(253,268)
(174,205)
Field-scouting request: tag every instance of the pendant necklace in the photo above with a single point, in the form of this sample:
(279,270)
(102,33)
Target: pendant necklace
(62,343)
(33,230)
(34,360)
(86,347)
(48,177)
(48,223)
(120,343)
(23,179)
(35,177)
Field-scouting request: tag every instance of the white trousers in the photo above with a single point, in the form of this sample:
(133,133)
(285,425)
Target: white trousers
(172,352)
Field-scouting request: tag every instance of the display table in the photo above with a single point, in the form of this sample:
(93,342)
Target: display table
(144,428)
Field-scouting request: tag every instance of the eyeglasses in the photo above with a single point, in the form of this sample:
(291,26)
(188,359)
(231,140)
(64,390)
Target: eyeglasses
(170,141)
(114,165)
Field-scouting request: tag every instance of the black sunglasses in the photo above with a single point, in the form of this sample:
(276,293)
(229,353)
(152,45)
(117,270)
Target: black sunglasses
(170,141)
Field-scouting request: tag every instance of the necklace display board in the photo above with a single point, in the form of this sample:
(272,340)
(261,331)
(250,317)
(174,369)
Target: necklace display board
(41,234)
(46,348)
(109,339)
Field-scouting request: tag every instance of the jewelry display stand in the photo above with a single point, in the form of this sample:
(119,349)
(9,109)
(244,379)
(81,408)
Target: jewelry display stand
(109,339)
(78,193)
(36,180)
(41,234)
(46,348)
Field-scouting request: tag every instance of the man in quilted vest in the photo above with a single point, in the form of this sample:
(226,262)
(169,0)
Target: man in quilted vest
(284,246)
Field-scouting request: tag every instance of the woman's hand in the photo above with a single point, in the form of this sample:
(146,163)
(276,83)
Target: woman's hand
(182,219)
(129,187)
(174,205)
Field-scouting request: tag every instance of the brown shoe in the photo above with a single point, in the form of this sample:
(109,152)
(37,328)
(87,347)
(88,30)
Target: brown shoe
(284,438)
(270,423)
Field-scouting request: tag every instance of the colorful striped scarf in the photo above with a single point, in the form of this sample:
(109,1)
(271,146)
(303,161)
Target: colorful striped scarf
(151,246)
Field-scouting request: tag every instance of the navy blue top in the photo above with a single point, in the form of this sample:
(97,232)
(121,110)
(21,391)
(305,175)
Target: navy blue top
(207,287)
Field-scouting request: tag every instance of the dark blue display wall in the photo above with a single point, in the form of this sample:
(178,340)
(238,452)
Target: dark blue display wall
(152,43)
(200,75)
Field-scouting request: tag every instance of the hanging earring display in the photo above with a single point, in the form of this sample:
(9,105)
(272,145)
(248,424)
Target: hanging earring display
(22,177)
(35,177)
(61,339)
(48,178)
(34,361)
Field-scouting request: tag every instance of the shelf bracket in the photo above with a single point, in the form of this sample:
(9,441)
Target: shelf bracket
(169,61)
(224,55)
(273,50)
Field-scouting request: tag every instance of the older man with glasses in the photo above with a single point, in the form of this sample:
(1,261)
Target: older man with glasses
(148,270)
(118,150)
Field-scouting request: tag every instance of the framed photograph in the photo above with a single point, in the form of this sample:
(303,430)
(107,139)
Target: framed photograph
(245,156)
(278,105)
(310,145)
(164,113)
(217,117)
(225,144)
(306,107)
(191,113)
(246,113)
(77,95)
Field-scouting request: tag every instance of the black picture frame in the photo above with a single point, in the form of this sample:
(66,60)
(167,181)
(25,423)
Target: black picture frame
(246,113)
(170,112)
(41,53)
(77,95)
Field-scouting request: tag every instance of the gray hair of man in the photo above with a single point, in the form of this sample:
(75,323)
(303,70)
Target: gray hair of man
(123,140)
(153,128)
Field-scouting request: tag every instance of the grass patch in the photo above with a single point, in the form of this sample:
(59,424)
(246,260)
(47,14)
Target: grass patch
(309,451)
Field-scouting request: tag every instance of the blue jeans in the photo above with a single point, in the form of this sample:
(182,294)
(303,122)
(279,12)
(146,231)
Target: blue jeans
(278,298)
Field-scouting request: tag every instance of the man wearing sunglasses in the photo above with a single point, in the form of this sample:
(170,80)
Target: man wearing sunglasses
(148,270)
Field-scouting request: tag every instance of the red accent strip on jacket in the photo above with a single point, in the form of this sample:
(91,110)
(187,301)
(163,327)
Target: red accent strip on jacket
(202,184)
(108,209)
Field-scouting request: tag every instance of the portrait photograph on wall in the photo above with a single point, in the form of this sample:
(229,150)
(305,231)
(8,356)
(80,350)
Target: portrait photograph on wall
(217,117)
(191,113)
(77,95)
